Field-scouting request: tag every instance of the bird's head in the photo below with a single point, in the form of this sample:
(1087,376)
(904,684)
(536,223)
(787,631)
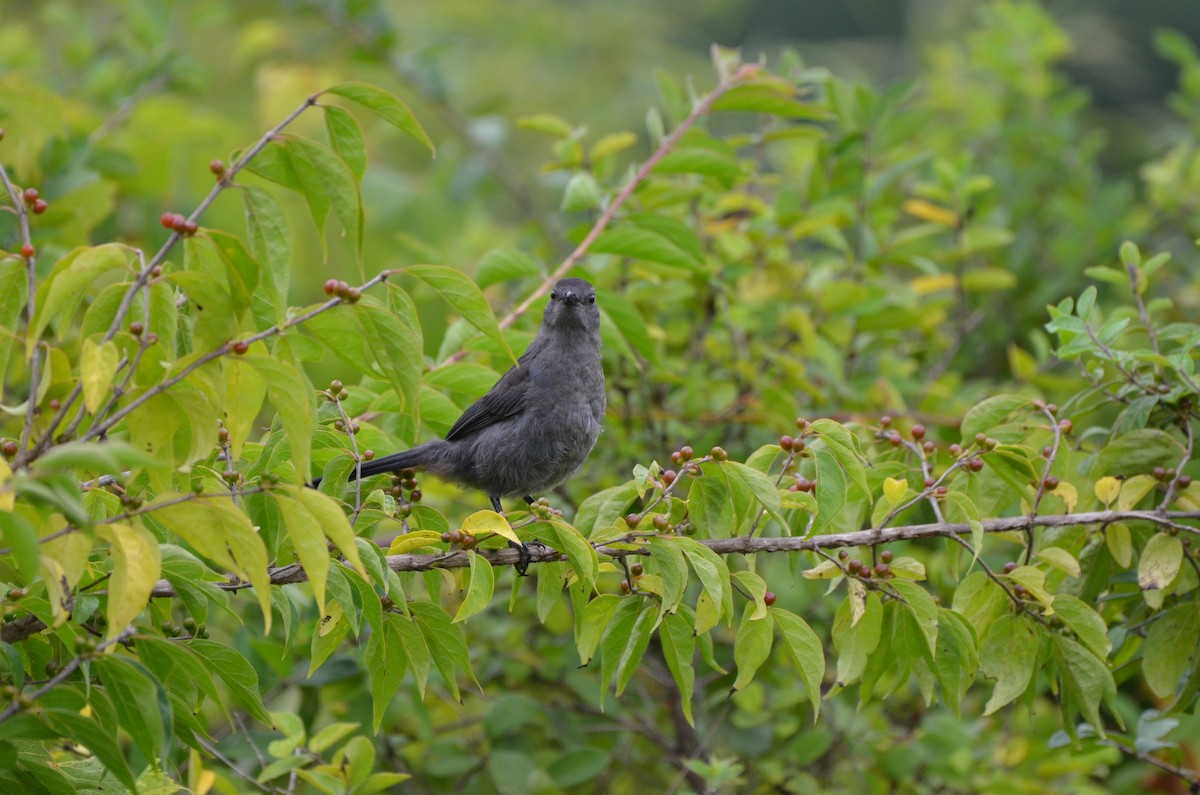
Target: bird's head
(572,307)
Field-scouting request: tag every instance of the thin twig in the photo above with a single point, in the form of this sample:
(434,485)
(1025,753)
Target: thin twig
(702,107)
(63,674)
(1173,486)
(35,359)
(147,271)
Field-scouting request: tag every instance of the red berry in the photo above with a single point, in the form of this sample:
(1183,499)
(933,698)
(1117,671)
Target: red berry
(331,286)
(353,294)
(167,220)
(632,520)
(669,476)
(27,251)
(786,442)
(240,347)
(719,454)
(136,328)
(1051,483)
(1050,407)
(927,446)
(39,206)
(1009,567)
(9,448)
(893,438)
(801,423)
(661,522)
(955,449)
(368,455)
(416,495)
(929,483)
(886,556)
(31,195)
(686,452)
(676,458)
(975,464)
(1065,426)
(217,168)
(769,598)
(918,432)
(190,228)
(624,586)
(637,570)
(855,566)
(883,570)
(1184,481)
(885,421)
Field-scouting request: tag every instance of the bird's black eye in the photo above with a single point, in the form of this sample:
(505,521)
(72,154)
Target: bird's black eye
(591,299)
(553,296)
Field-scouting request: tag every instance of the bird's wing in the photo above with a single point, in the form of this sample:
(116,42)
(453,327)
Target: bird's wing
(506,399)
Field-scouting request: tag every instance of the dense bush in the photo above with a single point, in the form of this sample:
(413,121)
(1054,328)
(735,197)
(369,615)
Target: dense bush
(895,494)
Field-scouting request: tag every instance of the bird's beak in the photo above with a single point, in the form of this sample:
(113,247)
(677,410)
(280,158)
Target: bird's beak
(571,298)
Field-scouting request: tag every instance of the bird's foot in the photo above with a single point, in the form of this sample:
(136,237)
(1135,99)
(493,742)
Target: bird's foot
(524,555)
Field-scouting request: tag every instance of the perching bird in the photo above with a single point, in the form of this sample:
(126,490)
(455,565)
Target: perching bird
(538,423)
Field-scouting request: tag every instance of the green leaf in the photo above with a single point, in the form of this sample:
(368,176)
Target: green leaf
(307,540)
(669,563)
(984,417)
(447,645)
(479,593)
(101,742)
(581,193)
(624,642)
(346,138)
(505,265)
(752,645)
(580,554)
(97,366)
(386,106)
(807,651)
(326,182)
(136,568)
(923,609)
(713,574)
(596,617)
(831,490)
(20,537)
(1136,453)
(550,585)
(679,648)
(957,658)
(1085,681)
(333,523)
(855,641)
(140,700)
(387,663)
(464,295)
(1160,562)
(1170,647)
(270,243)
(64,287)
(236,672)
(292,395)
(644,244)
(1085,622)
(1009,654)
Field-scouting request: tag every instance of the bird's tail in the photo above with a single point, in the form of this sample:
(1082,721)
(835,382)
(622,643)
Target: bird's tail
(415,458)
(390,463)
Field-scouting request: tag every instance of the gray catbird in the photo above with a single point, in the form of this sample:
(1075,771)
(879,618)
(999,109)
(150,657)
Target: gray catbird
(538,423)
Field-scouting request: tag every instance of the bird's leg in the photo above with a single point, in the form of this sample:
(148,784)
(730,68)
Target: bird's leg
(529,499)
(523,554)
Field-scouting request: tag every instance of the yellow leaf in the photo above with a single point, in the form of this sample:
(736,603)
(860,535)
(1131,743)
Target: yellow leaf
(1133,490)
(415,540)
(924,285)
(483,522)
(56,588)
(1120,544)
(1107,489)
(136,568)
(97,366)
(7,497)
(330,618)
(825,570)
(928,211)
(894,490)
(1068,494)
(1060,559)
(858,600)
(1189,499)
(333,523)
